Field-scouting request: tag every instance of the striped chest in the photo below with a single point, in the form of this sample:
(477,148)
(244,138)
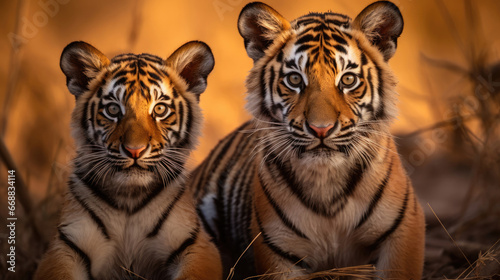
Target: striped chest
(325,215)
(114,243)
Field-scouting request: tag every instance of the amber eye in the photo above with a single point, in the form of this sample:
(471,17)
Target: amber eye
(113,110)
(160,110)
(294,80)
(349,80)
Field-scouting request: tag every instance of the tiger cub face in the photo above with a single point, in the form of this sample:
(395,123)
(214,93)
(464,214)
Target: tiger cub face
(136,116)
(321,84)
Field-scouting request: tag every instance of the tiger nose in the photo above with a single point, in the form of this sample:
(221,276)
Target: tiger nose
(134,152)
(320,131)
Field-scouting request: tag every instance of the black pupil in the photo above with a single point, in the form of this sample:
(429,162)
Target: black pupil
(160,109)
(113,109)
(295,79)
(349,79)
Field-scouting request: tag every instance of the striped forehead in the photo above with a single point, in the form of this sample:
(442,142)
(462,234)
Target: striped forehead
(322,39)
(142,74)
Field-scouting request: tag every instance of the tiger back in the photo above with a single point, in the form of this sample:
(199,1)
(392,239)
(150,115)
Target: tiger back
(128,213)
(316,171)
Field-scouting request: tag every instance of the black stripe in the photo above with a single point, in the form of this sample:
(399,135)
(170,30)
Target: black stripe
(92,214)
(242,148)
(380,110)
(92,119)
(165,214)
(264,110)
(270,86)
(154,76)
(221,222)
(305,47)
(340,49)
(99,93)
(364,92)
(339,39)
(289,179)
(150,58)
(79,252)
(370,83)
(364,60)
(396,223)
(306,21)
(247,208)
(181,119)
(203,176)
(188,242)
(157,188)
(280,213)
(305,38)
(122,73)
(84,120)
(279,57)
(351,65)
(222,180)
(278,251)
(376,197)
(244,185)
(120,81)
(85,178)
(337,22)
(97,191)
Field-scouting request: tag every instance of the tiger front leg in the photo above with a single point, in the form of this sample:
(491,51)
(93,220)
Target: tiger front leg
(402,255)
(61,263)
(270,266)
(200,261)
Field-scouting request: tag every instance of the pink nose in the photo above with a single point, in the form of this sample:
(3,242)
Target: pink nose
(321,132)
(135,152)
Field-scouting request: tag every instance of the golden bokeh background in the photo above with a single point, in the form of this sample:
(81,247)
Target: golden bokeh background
(437,62)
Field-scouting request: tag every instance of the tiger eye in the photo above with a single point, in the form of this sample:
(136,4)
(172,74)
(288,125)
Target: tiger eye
(160,110)
(294,80)
(113,110)
(348,79)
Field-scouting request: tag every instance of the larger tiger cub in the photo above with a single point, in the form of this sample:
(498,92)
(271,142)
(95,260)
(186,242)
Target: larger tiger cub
(128,213)
(316,171)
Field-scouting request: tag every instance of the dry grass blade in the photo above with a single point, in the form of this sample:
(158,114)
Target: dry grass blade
(451,25)
(488,255)
(453,240)
(445,123)
(360,272)
(21,188)
(231,271)
(132,273)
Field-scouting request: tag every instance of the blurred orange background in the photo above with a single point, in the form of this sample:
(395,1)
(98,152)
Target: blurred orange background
(36,106)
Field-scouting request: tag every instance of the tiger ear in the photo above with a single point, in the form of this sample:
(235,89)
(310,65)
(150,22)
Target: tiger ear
(193,61)
(259,25)
(382,24)
(81,62)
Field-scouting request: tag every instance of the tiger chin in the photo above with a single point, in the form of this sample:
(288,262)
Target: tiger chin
(128,213)
(315,175)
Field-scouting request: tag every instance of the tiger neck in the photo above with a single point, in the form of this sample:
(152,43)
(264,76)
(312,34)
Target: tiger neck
(117,194)
(321,183)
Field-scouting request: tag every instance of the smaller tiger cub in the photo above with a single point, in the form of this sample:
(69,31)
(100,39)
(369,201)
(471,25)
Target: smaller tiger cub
(128,214)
